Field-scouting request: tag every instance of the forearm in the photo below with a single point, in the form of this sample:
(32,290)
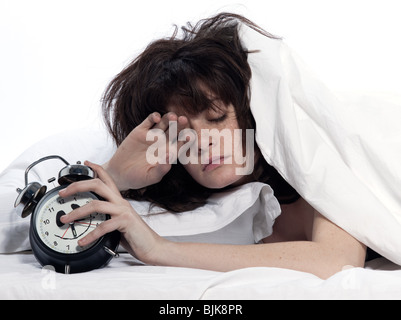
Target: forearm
(303,256)
(114,174)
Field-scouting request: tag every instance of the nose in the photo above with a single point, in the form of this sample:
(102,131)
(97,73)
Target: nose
(205,146)
(204,138)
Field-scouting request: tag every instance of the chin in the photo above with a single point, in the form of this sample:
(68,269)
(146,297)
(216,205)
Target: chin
(219,178)
(215,185)
(219,181)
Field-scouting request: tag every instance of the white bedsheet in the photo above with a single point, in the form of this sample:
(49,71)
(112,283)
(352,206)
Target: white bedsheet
(21,277)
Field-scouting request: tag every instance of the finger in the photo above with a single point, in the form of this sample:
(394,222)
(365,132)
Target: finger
(172,136)
(183,123)
(86,210)
(103,175)
(165,121)
(185,133)
(150,121)
(104,228)
(94,185)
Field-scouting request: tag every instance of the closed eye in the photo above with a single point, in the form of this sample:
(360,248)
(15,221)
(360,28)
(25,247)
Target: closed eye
(219,119)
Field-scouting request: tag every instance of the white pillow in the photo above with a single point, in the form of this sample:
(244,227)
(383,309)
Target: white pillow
(243,215)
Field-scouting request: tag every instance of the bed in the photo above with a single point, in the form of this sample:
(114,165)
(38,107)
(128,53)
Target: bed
(21,277)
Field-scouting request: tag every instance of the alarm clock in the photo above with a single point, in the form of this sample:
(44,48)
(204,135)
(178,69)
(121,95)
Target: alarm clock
(53,242)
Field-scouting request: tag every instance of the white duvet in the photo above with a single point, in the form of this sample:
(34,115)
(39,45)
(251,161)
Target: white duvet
(342,156)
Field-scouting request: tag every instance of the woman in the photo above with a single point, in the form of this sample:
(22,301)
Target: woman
(199,82)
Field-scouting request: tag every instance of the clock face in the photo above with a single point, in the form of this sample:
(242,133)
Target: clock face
(61,237)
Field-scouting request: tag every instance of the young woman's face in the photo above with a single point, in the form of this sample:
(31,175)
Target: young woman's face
(220,154)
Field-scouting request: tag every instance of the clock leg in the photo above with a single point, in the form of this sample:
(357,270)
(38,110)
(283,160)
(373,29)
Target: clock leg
(111,252)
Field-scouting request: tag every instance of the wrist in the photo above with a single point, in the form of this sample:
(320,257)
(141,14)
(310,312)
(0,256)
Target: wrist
(161,253)
(114,175)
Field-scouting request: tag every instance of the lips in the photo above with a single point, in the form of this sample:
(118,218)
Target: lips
(213,163)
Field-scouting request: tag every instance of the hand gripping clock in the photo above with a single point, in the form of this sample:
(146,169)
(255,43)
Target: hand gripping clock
(54,243)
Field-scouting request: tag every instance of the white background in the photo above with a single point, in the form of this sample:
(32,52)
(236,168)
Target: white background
(56,57)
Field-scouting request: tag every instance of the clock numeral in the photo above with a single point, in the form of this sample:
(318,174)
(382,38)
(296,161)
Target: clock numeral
(61,201)
(55,243)
(47,221)
(68,247)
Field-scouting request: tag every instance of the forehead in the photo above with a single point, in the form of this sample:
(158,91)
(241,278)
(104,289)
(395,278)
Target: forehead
(195,99)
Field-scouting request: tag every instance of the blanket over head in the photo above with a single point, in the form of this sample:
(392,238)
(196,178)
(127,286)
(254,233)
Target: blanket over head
(343,158)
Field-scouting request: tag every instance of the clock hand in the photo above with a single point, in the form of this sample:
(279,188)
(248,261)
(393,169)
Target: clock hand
(74,232)
(64,233)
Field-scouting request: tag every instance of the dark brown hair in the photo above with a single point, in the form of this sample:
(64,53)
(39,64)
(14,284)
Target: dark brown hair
(177,70)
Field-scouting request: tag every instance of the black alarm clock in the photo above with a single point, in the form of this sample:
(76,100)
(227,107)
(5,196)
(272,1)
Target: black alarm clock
(53,242)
